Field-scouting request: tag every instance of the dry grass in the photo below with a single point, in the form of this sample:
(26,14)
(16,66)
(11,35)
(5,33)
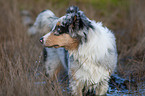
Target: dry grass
(21,55)
(131,45)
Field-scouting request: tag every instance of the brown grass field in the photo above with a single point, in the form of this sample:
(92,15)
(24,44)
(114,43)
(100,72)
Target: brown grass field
(21,64)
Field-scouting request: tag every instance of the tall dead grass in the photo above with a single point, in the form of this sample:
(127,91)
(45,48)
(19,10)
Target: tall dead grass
(131,44)
(20,63)
(21,68)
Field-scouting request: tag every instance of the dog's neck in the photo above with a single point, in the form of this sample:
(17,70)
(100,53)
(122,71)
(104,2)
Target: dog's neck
(82,52)
(96,47)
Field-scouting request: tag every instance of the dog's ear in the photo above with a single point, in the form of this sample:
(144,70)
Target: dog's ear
(84,21)
(72,9)
(79,26)
(80,21)
(74,25)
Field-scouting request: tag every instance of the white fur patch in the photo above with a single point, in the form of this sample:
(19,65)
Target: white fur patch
(96,59)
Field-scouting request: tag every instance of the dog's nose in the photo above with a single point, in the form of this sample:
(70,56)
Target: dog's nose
(41,40)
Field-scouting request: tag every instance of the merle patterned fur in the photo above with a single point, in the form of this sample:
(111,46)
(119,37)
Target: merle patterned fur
(74,21)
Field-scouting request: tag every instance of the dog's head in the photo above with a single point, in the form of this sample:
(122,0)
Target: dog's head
(70,30)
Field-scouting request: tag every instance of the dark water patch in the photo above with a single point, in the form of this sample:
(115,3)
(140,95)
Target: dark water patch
(118,86)
(123,87)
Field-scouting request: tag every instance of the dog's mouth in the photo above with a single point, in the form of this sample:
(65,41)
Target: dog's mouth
(55,46)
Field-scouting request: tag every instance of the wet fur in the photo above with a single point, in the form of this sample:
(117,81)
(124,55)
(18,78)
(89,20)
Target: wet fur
(94,57)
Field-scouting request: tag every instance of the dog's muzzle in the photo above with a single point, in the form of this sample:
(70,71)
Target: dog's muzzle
(41,40)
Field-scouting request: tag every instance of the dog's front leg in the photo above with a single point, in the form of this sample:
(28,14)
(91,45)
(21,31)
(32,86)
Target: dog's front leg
(102,88)
(76,87)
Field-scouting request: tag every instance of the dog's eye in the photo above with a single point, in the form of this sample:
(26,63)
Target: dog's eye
(58,29)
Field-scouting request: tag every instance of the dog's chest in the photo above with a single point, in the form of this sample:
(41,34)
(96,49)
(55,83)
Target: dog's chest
(86,70)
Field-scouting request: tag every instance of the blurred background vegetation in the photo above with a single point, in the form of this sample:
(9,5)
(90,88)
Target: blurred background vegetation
(20,63)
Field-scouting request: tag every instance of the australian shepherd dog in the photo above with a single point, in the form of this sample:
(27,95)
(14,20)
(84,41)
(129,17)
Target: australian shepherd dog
(92,48)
